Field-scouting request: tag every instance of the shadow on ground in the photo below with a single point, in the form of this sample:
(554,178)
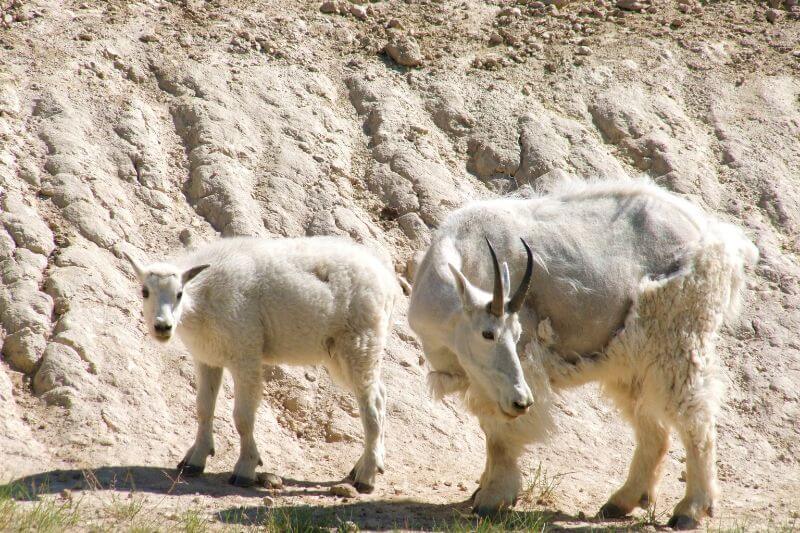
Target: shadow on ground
(147,479)
(368,514)
(386,515)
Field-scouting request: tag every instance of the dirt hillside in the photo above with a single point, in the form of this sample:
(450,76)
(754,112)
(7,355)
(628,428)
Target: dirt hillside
(154,125)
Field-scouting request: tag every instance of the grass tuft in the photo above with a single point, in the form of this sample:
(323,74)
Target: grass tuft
(44,515)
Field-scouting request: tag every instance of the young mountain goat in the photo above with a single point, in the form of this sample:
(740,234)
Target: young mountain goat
(243,302)
(631,284)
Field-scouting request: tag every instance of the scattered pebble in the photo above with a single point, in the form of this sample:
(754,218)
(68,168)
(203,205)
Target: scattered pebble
(773,15)
(583,51)
(268,501)
(630,5)
(344,490)
(328,7)
(66,494)
(359,12)
(270,480)
(404,50)
(395,24)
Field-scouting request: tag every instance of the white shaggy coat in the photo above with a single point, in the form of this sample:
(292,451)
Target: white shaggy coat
(630,287)
(306,301)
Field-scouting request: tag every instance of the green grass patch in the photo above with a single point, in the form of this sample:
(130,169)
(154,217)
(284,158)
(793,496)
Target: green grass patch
(36,514)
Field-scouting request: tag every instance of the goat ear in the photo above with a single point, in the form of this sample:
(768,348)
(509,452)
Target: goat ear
(137,266)
(506,279)
(191,273)
(465,289)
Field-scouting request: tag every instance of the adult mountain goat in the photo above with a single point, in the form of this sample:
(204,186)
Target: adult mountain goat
(244,302)
(628,286)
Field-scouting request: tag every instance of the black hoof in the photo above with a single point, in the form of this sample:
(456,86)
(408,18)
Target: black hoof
(260,462)
(211,452)
(380,470)
(363,488)
(682,522)
(610,510)
(190,470)
(352,475)
(239,481)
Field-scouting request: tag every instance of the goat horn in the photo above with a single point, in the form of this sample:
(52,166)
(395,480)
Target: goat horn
(496,307)
(516,301)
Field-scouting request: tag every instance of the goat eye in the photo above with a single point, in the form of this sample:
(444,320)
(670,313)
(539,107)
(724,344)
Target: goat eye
(488,335)
(145,292)
(180,294)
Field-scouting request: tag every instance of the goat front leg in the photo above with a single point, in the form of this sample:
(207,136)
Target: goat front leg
(247,395)
(501,480)
(209,379)
(652,443)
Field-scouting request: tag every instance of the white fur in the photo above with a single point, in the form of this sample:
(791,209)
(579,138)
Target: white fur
(307,301)
(649,311)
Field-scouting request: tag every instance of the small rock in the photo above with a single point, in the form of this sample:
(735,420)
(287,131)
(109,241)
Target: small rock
(495,39)
(267,501)
(328,7)
(682,477)
(583,51)
(66,494)
(581,515)
(148,38)
(270,480)
(186,237)
(85,36)
(630,5)
(404,50)
(344,490)
(773,15)
(359,12)
(395,24)
(510,12)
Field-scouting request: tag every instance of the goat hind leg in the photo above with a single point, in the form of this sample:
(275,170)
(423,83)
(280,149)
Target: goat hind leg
(247,395)
(371,406)
(697,429)
(209,379)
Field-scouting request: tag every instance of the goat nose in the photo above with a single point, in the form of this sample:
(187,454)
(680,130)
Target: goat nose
(162,327)
(522,407)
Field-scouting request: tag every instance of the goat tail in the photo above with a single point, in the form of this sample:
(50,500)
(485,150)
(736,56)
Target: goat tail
(736,252)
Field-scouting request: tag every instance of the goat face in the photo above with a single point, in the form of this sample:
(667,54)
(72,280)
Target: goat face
(162,294)
(487,332)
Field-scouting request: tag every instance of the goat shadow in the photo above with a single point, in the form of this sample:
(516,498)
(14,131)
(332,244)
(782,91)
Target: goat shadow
(148,479)
(368,514)
(384,515)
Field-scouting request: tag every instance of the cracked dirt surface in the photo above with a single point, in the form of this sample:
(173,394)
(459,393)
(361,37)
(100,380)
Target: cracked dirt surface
(158,124)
